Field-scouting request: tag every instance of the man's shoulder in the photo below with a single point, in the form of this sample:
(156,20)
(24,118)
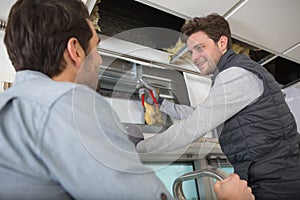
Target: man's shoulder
(234,73)
(45,93)
(40,91)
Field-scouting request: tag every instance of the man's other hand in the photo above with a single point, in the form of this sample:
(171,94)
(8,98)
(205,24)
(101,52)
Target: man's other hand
(233,188)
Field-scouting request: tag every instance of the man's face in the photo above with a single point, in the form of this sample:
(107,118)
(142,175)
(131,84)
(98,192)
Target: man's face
(205,52)
(88,73)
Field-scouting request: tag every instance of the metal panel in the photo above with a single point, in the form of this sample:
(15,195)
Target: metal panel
(272,24)
(294,53)
(145,55)
(191,8)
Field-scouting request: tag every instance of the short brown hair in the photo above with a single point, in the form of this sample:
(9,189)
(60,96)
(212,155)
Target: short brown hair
(37,33)
(213,25)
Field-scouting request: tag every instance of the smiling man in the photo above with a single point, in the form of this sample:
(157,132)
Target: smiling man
(257,131)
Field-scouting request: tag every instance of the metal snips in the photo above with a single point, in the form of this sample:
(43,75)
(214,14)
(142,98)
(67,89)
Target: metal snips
(146,88)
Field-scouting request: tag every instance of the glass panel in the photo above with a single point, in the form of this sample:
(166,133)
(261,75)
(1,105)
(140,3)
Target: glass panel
(168,173)
(228,170)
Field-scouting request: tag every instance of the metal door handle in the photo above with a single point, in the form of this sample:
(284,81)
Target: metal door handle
(210,172)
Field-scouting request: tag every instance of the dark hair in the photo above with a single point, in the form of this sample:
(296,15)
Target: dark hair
(38,31)
(213,25)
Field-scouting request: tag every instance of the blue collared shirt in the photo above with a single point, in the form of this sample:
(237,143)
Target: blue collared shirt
(60,140)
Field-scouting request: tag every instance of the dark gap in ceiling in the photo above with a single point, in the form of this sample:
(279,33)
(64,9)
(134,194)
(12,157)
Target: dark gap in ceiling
(284,71)
(124,20)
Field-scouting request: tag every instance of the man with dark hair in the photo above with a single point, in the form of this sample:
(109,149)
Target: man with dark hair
(257,131)
(59,139)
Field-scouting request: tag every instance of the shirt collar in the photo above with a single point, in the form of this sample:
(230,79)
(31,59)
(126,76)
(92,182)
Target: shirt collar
(223,60)
(25,75)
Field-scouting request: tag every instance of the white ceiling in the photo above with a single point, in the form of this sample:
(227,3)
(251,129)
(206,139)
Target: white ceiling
(191,8)
(7,4)
(272,25)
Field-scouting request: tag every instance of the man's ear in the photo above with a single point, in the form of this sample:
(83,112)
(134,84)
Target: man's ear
(222,43)
(75,51)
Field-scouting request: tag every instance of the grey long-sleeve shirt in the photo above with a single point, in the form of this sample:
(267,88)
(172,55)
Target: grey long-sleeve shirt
(234,89)
(62,140)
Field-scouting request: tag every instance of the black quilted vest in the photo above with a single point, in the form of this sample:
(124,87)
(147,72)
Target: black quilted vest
(261,141)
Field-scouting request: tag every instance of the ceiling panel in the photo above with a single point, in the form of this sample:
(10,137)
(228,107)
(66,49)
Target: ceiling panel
(294,54)
(273,24)
(191,8)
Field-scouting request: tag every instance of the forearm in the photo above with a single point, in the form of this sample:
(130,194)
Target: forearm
(176,110)
(202,120)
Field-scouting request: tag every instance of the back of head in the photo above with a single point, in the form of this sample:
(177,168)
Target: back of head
(213,25)
(37,33)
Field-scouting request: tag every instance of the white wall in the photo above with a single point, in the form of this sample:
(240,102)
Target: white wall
(7,71)
(128,111)
(198,88)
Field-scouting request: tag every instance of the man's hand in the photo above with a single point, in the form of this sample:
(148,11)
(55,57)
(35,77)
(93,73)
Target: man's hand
(233,188)
(145,96)
(134,133)
(148,95)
